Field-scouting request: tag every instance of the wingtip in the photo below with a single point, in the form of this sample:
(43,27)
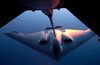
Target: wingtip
(88,30)
(10,32)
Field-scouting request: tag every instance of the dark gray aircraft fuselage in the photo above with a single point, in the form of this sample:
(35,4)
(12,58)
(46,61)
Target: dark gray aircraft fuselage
(40,4)
(82,9)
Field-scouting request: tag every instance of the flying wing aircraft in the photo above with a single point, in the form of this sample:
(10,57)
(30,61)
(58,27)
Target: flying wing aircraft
(86,11)
(55,47)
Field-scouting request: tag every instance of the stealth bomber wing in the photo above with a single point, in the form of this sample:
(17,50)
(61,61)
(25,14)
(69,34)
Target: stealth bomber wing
(54,47)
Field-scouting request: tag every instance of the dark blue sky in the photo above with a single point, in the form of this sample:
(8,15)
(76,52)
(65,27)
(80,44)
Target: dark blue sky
(14,53)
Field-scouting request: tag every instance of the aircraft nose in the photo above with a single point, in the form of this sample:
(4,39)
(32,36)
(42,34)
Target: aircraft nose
(56,47)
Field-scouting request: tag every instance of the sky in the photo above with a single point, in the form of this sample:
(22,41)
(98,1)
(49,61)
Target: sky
(14,53)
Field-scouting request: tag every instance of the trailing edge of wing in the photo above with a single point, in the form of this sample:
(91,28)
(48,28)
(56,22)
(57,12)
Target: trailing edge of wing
(9,11)
(86,12)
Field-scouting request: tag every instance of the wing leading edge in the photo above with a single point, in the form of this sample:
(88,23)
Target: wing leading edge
(32,40)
